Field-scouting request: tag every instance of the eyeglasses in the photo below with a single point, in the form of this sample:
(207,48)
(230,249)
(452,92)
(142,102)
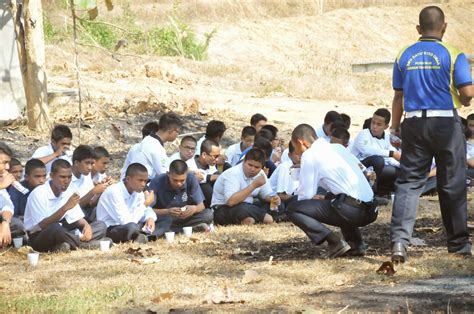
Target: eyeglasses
(189,148)
(213,156)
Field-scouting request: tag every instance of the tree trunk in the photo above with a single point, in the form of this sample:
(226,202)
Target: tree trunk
(30,43)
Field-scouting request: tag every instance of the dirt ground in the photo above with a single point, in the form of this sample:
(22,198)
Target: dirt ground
(293,67)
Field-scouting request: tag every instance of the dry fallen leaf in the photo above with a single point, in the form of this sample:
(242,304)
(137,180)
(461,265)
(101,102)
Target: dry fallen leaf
(251,276)
(387,269)
(162,297)
(146,261)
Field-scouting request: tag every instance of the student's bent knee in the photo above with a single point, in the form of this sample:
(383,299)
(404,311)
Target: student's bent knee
(267,219)
(247,221)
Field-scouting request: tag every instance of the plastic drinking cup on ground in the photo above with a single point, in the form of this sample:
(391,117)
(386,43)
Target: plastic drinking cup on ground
(188,231)
(17,243)
(33,259)
(169,236)
(104,245)
(392,197)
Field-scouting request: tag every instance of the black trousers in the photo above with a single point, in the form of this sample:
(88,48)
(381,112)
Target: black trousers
(207,189)
(226,215)
(386,174)
(57,233)
(130,231)
(17,230)
(311,215)
(206,216)
(423,139)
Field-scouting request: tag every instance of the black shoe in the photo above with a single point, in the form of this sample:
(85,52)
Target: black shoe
(62,247)
(338,249)
(399,253)
(357,249)
(465,251)
(141,238)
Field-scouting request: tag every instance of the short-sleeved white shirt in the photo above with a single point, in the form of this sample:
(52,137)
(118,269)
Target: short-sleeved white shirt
(234,180)
(42,203)
(233,153)
(152,155)
(47,150)
(321,134)
(118,207)
(332,167)
(470,150)
(82,185)
(130,155)
(6,204)
(190,162)
(281,181)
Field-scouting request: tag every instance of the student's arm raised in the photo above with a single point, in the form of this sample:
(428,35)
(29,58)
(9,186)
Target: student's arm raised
(240,196)
(72,202)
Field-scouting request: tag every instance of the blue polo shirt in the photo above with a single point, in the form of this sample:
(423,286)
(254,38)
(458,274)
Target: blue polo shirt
(429,73)
(19,199)
(166,197)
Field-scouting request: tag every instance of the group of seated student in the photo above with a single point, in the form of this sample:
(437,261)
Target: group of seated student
(63,199)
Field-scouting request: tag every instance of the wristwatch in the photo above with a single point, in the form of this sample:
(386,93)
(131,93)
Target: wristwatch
(7,220)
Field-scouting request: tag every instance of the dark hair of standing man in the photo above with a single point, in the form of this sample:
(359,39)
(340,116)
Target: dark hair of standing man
(431,19)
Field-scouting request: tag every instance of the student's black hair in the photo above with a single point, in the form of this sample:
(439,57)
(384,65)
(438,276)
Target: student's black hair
(384,113)
(14,162)
(342,134)
(346,119)
(367,123)
(257,118)
(338,124)
(188,138)
(149,128)
(206,146)
(60,164)
(60,131)
(169,121)
(291,148)
(331,116)
(304,132)
(134,169)
(83,152)
(431,19)
(248,131)
(4,149)
(272,129)
(266,134)
(264,145)
(33,164)
(101,151)
(257,155)
(215,128)
(178,167)
(470,117)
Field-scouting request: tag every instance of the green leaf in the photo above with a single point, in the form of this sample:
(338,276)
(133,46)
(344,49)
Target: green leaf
(85,4)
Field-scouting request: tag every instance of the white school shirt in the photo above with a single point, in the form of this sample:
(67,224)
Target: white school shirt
(321,134)
(332,167)
(281,181)
(210,170)
(6,204)
(285,155)
(82,185)
(46,151)
(118,207)
(152,155)
(233,153)
(470,149)
(190,162)
(234,180)
(198,145)
(99,177)
(366,145)
(42,203)
(130,155)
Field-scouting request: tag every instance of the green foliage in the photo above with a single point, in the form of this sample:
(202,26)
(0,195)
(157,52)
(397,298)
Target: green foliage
(49,30)
(99,33)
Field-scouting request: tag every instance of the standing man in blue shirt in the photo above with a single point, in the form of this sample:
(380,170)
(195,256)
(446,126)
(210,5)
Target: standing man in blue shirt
(431,80)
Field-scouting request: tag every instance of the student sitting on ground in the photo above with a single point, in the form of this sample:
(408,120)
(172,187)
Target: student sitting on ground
(258,121)
(35,175)
(148,128)
(53,217)
(99,168)
(59,148)
(247,139)
(324,131)
(214,131)
(179,197)
(151,152)
(185,152)
(125,208)
(263,141)
(242,193)
(10,226)
(276,148)
(83,159)
(284,180)
(16,169)
(372,147)
(206,163)
(340,136)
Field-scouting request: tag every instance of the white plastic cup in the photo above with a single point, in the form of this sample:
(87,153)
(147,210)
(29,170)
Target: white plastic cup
(33,259)
(104,245)
(17,243)
(393,197)
(188,231)
(169,236)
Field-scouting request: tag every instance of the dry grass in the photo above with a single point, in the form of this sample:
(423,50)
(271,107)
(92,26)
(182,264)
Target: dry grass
(189,272)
